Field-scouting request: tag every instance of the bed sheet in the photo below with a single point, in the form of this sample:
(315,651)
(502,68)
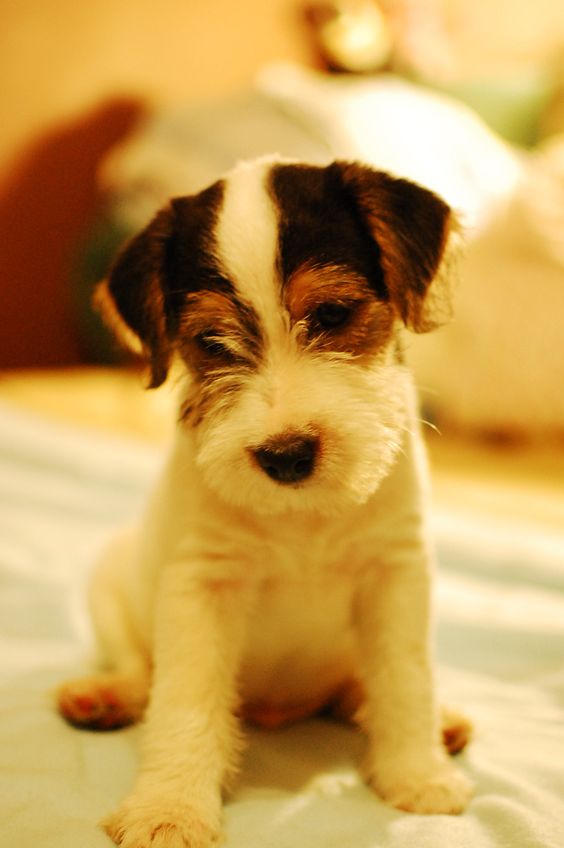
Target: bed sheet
(500,609)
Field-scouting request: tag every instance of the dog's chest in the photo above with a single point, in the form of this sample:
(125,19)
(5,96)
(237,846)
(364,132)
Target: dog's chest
(300,645)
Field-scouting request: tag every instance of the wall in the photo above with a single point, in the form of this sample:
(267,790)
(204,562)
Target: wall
(74,79)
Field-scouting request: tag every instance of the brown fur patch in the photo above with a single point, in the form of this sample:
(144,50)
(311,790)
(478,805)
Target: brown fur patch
(216,331)
(369,326)
(220,341)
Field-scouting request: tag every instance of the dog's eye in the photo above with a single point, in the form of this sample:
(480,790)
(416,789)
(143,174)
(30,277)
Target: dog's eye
(332,316)
(209,342)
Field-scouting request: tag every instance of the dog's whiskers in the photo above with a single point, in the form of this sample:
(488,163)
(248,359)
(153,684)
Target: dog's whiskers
(430,424)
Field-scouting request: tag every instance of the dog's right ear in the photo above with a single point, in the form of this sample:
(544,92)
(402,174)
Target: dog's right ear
(133,298)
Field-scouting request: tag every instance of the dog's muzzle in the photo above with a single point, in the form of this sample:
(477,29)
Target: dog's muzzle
(289,458)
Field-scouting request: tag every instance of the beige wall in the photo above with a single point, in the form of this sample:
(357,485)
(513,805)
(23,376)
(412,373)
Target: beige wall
(493,34)
(59,57)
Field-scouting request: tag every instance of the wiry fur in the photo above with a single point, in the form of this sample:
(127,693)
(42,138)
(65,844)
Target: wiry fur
(246,593)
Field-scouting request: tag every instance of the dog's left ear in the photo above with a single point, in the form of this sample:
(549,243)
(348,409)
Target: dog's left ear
(414,230)
(133,299)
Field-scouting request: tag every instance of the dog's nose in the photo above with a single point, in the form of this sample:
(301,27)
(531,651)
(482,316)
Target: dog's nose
(289,459)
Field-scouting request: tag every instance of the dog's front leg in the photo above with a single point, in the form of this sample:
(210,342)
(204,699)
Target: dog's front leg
(406,762)
(191,734)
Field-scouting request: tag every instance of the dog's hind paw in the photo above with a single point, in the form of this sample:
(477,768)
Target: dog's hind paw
(102,702)
(457,730)
(141,824)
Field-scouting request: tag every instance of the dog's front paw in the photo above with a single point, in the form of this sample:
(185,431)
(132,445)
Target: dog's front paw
(441,788)
(161,824)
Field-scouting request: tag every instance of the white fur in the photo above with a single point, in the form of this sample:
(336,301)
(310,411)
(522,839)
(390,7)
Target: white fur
(238,592)
(336,398)
(247,243)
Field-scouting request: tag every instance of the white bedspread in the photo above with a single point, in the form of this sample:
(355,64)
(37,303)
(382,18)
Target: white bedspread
(500,606)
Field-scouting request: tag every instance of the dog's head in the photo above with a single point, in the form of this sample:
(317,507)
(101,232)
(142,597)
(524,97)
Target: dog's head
(282,288)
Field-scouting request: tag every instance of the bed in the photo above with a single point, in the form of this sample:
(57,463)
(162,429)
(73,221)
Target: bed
(78,452)
(67,480)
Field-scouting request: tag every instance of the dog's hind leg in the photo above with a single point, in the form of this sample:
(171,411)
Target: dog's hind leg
(349,706)
(116,695)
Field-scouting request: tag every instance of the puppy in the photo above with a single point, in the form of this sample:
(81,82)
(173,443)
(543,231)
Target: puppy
(283,564)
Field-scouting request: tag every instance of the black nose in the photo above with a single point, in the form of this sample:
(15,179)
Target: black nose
(288,459)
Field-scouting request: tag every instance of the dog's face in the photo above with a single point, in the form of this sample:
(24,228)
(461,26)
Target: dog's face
(282,288)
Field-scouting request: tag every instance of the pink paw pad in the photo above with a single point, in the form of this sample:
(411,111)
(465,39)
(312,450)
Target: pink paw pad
(93,705)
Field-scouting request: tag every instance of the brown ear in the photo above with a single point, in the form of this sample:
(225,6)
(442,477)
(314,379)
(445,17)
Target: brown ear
(411,226)
(133,298)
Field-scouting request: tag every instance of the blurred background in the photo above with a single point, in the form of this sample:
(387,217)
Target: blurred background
(108,108)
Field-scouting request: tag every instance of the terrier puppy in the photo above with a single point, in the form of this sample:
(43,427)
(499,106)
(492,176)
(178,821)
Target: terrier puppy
(283,565)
